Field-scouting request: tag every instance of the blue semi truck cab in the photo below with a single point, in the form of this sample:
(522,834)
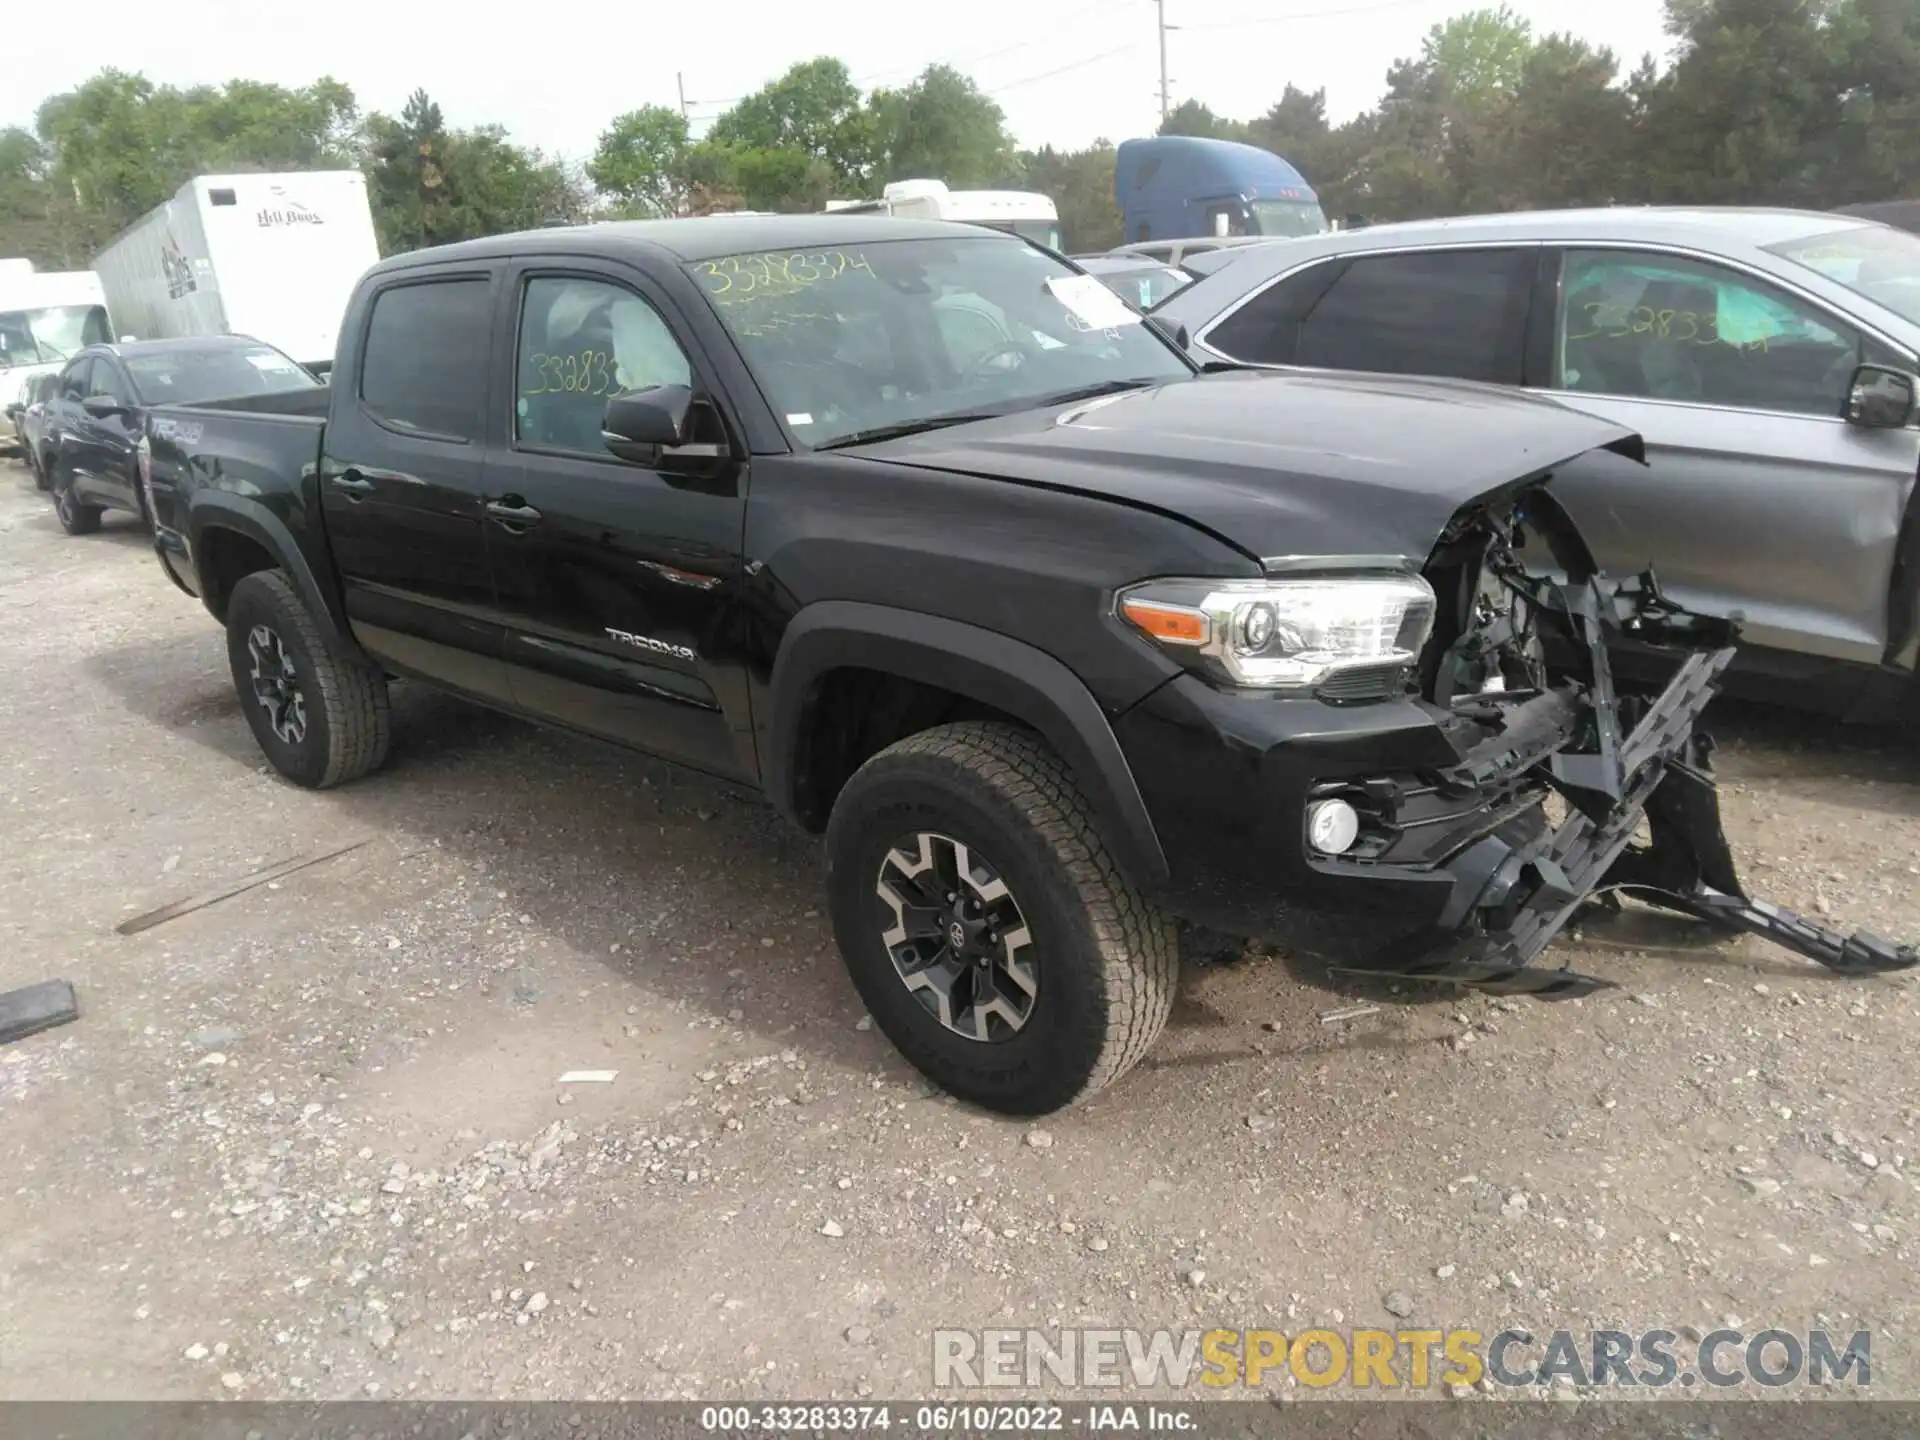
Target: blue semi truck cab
(1173,187)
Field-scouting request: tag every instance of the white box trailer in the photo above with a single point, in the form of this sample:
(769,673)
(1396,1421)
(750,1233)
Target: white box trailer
(270,256)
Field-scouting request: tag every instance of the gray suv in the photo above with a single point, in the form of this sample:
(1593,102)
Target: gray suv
(1781,475)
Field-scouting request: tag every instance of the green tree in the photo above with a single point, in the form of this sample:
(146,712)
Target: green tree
(641,160)
(120,145)
(1331,160)
(939,127)
(32,222)
(431,185)
(1569,135)
(814,110)
(1483,53)
(1874,52)
(1081,184)
(1191,117)
(1746,113)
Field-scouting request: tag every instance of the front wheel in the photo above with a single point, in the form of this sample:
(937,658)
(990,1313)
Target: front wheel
(320,715)
(986,924)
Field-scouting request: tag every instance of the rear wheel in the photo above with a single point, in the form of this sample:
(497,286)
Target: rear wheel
(320,715)
(986,925)
(76,517)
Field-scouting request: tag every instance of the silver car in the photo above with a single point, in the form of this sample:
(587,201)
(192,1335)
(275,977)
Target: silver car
(1781,476)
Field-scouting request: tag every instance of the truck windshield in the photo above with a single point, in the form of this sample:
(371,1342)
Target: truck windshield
(1041,232)
(886,334)
(191,377)
(59,332)
(1287,217)
(1880,263)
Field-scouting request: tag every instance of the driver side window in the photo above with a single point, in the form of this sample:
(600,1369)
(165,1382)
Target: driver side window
(1662,327)
(581,341)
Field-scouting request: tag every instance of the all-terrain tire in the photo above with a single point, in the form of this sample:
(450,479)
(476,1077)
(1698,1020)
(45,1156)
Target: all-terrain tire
(1107,961)
(42,467)
(346,724)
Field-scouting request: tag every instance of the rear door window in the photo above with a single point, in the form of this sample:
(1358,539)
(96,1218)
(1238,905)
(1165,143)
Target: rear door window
(1266,329)
(424,366)
(1461,314)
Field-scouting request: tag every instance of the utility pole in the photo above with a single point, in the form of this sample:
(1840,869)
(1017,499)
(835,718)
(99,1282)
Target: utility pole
(680,79)
(1160,19)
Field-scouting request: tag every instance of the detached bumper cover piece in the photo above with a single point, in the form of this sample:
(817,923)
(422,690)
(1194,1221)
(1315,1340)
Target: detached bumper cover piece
(1614,761)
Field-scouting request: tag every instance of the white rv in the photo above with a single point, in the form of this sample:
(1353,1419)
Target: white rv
(1024,212)
(274,257)
(46,317)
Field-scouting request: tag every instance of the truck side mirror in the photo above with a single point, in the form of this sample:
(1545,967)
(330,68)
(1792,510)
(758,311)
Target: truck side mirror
(1879,398)
(646,419)
(655,427)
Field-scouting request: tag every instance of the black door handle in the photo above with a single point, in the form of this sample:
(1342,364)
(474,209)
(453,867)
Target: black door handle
(353,482)
(510,510)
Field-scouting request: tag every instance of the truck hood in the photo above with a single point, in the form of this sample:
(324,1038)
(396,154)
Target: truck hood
(1296,464)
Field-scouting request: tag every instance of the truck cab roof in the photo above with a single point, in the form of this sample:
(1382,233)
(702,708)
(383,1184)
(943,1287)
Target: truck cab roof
(701,237)
(1194,165)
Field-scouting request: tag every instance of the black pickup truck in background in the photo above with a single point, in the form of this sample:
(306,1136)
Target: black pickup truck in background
(923,533)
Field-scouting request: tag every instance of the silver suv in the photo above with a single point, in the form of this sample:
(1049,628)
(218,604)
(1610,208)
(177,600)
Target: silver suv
(1780,477)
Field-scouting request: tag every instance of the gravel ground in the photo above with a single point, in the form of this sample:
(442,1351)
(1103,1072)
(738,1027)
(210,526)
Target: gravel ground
(310,1140)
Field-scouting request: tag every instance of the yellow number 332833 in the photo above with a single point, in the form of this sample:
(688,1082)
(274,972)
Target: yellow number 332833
(583,372)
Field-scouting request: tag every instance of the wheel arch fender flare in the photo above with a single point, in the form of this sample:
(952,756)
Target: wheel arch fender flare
(993,669)
(217,510)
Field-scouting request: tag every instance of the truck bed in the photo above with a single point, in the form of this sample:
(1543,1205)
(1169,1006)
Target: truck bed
(261,447)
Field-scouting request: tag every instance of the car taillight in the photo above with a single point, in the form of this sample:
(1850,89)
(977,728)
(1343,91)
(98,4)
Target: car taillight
(144,459)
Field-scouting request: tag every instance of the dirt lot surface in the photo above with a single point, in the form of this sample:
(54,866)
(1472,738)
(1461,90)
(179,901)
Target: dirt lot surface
(310,1140)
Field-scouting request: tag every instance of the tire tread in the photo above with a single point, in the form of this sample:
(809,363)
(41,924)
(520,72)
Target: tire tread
(1138,945)
(353,696)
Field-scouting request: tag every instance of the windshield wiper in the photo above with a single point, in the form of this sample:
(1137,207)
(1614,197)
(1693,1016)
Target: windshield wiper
(1087,392)
(905,428)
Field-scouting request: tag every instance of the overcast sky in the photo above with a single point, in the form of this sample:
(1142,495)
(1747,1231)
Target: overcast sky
(1065,71)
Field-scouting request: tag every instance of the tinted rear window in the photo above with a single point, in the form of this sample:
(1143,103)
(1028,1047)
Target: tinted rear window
(1457,313)
(425,364)
(189,377)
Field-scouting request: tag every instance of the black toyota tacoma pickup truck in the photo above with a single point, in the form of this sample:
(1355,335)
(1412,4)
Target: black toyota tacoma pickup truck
(928,537)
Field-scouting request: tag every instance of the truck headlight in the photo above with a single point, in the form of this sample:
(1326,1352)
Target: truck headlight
(1285,634)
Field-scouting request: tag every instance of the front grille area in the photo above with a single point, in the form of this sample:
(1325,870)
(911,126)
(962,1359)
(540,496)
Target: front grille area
(1363,682)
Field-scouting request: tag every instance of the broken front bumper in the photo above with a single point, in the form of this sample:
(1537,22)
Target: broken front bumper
(1614,762)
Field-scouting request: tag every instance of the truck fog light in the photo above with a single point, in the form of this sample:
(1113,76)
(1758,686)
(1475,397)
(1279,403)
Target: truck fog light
(1332,826)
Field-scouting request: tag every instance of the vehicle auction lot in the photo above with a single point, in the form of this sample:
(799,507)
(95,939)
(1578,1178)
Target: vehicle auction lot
(310,1140)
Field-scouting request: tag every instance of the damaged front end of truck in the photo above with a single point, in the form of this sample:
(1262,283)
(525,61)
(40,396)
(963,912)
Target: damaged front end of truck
(1565,791)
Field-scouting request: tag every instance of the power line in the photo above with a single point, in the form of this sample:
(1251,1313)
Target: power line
(963,62)
(1309,15)
(1063,69)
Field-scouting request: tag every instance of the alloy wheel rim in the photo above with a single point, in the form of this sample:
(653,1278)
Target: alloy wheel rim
(275,685)
(957,937)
